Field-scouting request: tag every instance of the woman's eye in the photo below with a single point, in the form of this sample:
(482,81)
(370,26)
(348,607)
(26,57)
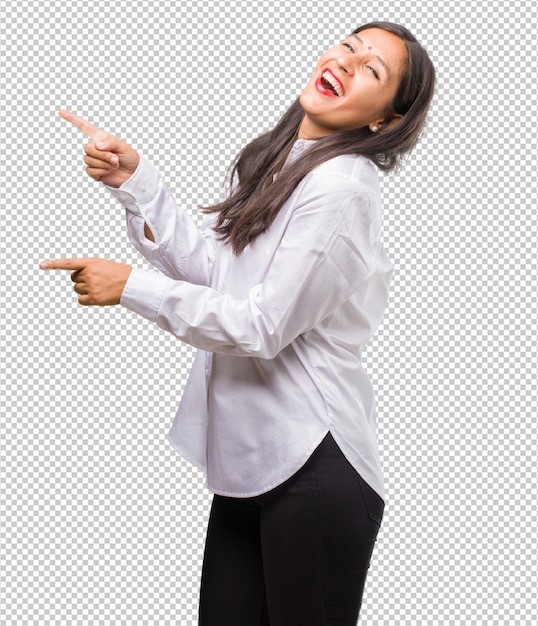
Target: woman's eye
(374,71)
(347,45)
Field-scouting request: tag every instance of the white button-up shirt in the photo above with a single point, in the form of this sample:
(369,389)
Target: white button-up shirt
(279,328)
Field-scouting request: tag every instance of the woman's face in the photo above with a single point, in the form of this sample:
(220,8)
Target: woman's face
(353,84)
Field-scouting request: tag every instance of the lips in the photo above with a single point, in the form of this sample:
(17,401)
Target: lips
(329,85)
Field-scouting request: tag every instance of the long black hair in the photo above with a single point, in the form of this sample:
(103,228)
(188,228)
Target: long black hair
(255,202)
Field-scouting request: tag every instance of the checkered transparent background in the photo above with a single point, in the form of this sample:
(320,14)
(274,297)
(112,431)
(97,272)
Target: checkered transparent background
(100,521)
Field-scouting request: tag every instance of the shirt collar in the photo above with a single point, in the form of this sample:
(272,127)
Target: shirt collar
(298,148)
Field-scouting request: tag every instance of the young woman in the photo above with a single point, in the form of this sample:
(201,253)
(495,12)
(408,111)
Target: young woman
(279,289)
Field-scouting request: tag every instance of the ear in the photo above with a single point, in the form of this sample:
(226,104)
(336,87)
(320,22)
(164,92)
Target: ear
(383,124)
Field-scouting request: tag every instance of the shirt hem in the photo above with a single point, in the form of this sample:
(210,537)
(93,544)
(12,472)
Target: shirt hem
(274,484)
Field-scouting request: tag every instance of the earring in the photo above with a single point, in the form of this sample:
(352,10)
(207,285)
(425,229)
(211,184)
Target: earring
(374,129)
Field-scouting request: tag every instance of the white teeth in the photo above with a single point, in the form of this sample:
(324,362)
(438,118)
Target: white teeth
(334,83)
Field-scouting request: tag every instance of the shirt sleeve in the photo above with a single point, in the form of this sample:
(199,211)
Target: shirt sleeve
(326,252)
(182,250)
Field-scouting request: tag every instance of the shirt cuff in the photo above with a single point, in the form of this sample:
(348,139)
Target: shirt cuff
(140,188)
(143,292)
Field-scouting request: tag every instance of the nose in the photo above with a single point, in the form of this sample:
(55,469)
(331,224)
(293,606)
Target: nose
(346,63)
(349,62)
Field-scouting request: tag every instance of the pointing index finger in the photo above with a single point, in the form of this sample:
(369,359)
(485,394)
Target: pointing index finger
(86,127)
(64,264)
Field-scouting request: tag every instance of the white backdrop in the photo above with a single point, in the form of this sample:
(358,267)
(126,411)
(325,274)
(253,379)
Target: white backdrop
(100,521)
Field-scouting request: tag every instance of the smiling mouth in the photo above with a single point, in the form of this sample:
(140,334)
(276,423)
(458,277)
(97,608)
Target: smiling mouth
(330,83)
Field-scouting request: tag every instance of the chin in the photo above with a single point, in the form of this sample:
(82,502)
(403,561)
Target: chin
(311,103)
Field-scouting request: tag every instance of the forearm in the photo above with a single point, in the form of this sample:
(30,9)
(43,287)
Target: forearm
(164,233)
(148,233)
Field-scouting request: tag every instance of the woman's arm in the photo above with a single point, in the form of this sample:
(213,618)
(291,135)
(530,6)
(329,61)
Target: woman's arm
(148,234)
(325,254)
(163,233)
(328,252)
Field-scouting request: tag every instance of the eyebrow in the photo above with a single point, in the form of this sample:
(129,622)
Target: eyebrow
(377,56)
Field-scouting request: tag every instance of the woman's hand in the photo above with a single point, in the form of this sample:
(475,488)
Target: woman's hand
(109,159)
(97,281)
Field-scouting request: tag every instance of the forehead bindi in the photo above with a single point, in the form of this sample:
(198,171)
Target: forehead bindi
(380,59)
(389,49)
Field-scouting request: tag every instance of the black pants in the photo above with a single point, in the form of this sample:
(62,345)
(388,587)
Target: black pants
(295,556)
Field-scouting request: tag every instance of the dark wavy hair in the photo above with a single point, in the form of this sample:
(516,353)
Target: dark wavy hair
(255,202)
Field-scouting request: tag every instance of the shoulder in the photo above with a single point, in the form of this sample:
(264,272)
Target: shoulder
(343,193)
(345,180)
(349,170)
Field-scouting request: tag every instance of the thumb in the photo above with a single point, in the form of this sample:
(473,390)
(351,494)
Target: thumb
(110,143)
(106,144)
